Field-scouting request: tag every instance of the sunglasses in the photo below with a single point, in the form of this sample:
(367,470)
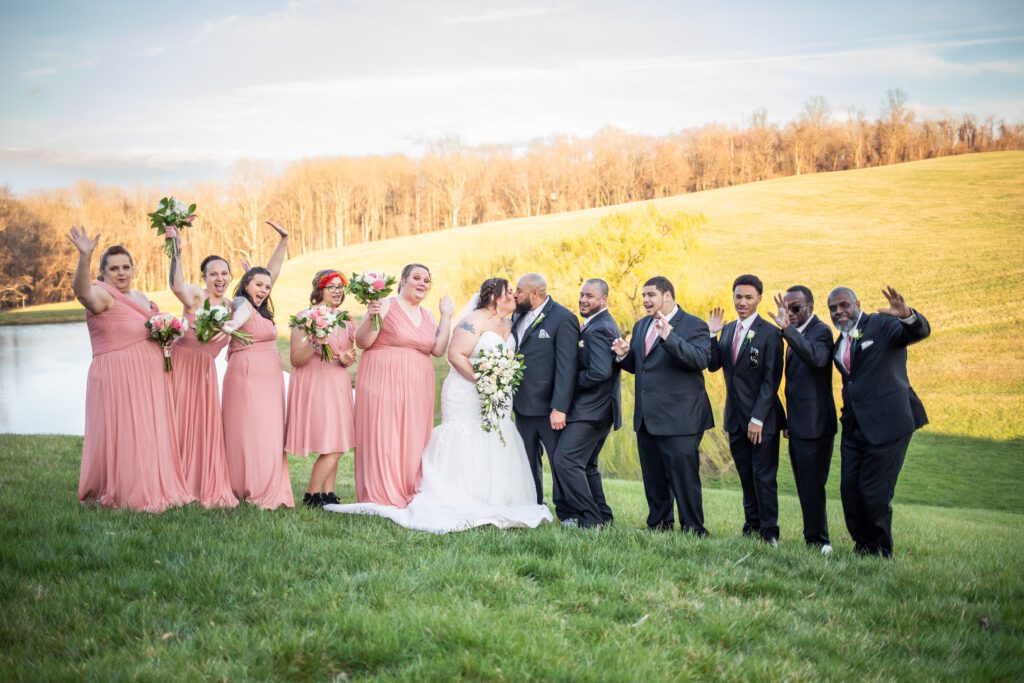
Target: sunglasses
(795,308)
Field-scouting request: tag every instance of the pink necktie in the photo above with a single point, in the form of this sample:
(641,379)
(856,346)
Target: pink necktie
(846,354)
(737,337)
(652,334)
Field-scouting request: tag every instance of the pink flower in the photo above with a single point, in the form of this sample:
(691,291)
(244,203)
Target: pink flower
(378,285)
(176,324)
(158,324)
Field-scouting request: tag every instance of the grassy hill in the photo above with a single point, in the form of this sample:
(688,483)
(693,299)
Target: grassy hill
(947,232)
(304,595)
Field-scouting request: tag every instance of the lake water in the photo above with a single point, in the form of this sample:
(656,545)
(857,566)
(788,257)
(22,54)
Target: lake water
(43,369)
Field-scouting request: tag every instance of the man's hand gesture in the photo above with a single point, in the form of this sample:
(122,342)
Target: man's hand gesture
(898,308)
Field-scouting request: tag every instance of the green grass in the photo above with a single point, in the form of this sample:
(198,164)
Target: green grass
(303,595)
(41,316)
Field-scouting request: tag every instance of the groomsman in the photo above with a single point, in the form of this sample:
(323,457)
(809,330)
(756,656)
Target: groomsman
(810,407)
(595,411)
(880,410)
(749,353)
(548,335)
(668,352)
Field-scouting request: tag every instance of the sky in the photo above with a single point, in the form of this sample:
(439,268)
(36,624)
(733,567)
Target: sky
(140,93)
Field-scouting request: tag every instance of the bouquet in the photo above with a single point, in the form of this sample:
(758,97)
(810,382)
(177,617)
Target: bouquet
(171,212)
(164,328)
(371,286)
(317,323)
(210,320)
(498,373)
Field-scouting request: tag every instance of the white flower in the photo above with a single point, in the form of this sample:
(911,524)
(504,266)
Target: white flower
(178,206)
(750,335)
(856,334)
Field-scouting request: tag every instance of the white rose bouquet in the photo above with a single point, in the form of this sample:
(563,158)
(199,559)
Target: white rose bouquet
(210,320)
(498,373)
(175,213)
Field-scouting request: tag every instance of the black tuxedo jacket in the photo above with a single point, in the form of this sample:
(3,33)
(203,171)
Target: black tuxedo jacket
(752,384)
(549,347)
(598,379)
(671,399)
(810,405)
(877,391)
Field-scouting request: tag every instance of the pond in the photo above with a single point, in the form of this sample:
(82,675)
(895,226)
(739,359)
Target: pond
(43,369)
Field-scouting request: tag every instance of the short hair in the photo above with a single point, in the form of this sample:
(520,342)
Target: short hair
(662,284)
(751,280)
(803,290)
(842,290)
(602,286)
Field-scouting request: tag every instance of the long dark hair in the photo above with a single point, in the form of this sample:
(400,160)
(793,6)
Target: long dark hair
(490,290)
(317,295)
(113,250)
(266,309)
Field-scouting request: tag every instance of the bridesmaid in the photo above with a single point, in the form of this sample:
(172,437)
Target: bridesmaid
(395,390)
(195,383)
(320,410)
(254,407)
(130,455)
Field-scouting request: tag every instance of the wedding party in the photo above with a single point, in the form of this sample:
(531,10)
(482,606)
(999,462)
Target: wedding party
(519,340)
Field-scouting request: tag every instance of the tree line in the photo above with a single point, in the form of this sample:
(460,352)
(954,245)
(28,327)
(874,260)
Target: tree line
(333,202)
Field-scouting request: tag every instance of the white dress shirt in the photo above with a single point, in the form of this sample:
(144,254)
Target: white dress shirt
(524,323)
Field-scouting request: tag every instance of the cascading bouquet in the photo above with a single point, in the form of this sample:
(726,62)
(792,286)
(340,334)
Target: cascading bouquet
(498,373)
(171,212)
(371,286)
(164,328)
(317,323)
(210,320)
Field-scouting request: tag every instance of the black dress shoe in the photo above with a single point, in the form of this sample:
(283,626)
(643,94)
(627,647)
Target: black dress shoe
(312,500)
(329,499)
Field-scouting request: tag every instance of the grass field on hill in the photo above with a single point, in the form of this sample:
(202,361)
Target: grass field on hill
(946,232)
(305,595)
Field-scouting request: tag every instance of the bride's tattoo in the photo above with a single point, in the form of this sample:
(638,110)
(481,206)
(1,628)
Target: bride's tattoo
(467,326)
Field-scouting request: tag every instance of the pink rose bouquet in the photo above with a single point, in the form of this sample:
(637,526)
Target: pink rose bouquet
(371,286)
(164,328)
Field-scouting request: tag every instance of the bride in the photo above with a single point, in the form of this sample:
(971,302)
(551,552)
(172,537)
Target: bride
(469,478)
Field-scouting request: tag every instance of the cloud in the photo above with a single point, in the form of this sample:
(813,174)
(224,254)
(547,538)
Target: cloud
(38,73)
(508,14)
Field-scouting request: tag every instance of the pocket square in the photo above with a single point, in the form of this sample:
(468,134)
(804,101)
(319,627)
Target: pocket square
(866,343)
(543,334)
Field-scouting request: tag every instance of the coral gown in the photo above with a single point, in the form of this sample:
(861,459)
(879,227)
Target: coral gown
(253,408)
(394,409)
(130,455)
(320,407)
(200,431)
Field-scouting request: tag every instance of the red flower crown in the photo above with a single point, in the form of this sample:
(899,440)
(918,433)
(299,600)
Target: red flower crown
(330,276)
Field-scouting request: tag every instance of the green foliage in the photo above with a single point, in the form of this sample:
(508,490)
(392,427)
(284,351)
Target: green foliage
(304,595)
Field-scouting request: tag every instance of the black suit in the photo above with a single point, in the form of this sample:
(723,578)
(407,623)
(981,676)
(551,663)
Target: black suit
(670,415)
(549,347)
(880,414)
(752,391)
(596,409)
(811,420)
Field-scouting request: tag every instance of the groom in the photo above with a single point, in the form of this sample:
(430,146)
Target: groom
(548,336)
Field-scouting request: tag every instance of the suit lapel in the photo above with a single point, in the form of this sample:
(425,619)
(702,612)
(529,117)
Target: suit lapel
(855,351)
(531,331)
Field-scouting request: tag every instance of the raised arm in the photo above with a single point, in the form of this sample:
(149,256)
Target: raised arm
(693,352)
(95,299)
(463,342)
(715,326)
(188,295)
(815,349)
(912,326)
(443,327)
(280,251)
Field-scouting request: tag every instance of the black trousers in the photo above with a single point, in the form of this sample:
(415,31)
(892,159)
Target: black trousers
(811,460)
(867,484)
(670,466)
(579,480)
(758,467)
(538,437)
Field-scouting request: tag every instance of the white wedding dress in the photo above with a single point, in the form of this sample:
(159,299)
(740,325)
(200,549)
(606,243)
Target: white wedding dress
(469,478)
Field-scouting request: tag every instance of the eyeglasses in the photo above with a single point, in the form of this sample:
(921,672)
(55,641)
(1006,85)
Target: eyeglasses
(334,288)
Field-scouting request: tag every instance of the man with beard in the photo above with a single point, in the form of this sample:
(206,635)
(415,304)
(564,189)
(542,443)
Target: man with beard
(668,353)
(880,410)
(595,411)
(810,407)
(548,335)
(749,353)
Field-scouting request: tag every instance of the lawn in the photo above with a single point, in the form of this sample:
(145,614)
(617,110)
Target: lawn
(306,595)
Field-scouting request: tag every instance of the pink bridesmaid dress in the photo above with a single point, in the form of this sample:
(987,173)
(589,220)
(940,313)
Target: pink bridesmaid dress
(130,456)
(200,432)
(320,409)
(394,409)
(254,418)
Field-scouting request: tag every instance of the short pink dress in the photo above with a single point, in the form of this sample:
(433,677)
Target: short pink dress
(200,432)
(320,407)
(394,409)
(254,418)
(130,456)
